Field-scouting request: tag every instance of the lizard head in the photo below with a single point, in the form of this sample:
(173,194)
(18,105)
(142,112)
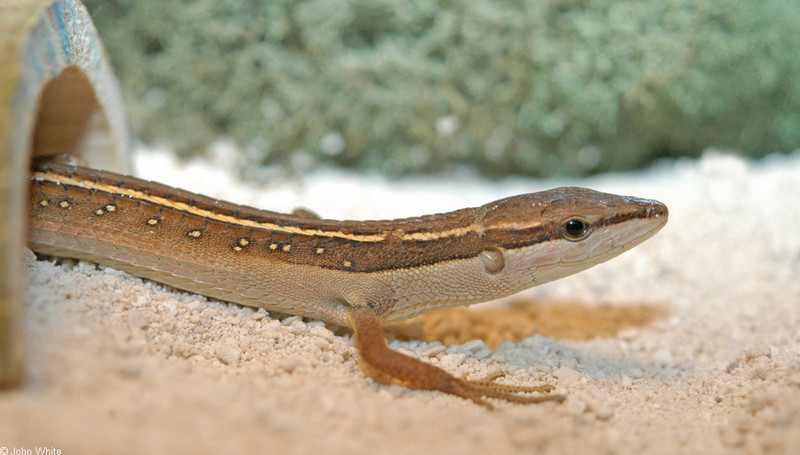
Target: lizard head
(544,236)
(519,242)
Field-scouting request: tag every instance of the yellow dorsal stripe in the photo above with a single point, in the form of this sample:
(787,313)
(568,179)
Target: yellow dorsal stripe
(454,232)
(183,207)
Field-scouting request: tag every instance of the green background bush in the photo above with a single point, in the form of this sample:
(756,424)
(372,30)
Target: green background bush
(537,87)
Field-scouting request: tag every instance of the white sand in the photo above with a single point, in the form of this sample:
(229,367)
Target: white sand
(122,366)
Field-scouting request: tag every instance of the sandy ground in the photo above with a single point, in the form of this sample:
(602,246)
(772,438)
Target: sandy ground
(688,344)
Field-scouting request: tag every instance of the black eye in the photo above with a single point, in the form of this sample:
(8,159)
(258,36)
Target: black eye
(575,229)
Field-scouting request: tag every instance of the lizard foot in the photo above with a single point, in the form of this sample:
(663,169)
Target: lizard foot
(386,366)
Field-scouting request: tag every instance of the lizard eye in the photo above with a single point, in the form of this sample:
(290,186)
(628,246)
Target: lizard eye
(575,229)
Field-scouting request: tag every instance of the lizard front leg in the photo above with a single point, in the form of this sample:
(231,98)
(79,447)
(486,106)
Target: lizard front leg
(387,366)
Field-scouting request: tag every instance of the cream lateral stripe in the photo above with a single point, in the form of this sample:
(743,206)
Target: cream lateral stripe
(182,207)
(454,232)
(515,226)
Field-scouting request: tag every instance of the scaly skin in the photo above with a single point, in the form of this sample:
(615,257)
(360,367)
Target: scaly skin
(353,273)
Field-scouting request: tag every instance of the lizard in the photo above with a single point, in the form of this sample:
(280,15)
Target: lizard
(358,274)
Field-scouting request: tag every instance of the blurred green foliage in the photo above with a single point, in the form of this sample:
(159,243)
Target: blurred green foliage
(537,87)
